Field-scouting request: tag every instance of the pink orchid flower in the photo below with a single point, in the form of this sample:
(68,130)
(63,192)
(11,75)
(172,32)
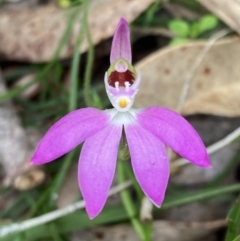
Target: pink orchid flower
(147,131)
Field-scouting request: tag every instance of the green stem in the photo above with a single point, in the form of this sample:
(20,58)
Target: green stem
(129,205)
(130,174)
(90,59)
(148,230)
(74,72)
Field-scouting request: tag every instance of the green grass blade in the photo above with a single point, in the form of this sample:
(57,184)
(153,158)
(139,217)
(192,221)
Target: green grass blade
(198,196)
(90,59)
(237,238)
(75,71)
(233,222)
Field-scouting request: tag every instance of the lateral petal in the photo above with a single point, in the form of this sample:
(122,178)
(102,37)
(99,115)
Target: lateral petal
(97,165)
(69,132)
(149,161)
(176,132)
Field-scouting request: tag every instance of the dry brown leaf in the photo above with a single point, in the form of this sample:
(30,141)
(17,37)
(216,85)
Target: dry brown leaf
(227,11)
(16,149)
(214,89)
(32,90)
(33,34)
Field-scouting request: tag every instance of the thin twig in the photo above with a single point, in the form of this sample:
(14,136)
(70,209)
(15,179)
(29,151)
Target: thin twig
(25,225)
(213,148)
(191,73)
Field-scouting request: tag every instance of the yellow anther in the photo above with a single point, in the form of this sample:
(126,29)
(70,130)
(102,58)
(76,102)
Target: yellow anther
(123,102)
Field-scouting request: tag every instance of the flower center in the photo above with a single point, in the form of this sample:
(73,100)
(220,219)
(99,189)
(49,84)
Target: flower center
(123,102)
(122,82)
(120,74)
(121,78)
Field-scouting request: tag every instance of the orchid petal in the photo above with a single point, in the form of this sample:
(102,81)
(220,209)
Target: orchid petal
(121,45)
(69,132)
(149,161)
(97,165)
(176,132)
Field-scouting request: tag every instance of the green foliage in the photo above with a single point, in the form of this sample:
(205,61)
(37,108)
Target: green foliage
(185,31)
(194,30)
(237,238)
(179,27)
(149,15)
(233,218)
(69,3)
(207,22)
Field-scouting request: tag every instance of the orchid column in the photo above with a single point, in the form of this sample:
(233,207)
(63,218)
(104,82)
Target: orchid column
(147,131)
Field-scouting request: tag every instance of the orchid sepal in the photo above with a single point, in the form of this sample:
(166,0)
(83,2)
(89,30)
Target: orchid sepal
(121,45)
(176,132)
(68,132)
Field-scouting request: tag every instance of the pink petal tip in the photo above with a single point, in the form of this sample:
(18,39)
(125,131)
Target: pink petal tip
(121,45)
(176,132)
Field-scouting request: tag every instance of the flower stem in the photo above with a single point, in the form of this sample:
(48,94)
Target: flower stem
(130,175)
(129,205)
(90,58)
